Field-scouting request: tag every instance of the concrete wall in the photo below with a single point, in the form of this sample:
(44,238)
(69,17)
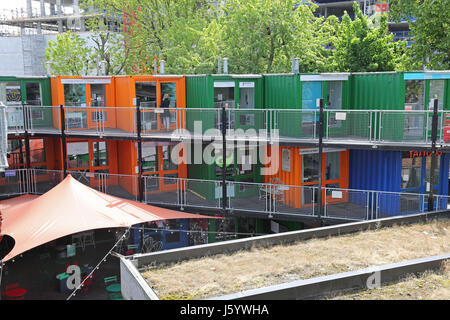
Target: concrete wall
(11,56)
(25,56)
(133,285)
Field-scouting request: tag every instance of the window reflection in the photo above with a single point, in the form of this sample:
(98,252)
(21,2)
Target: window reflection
(78,154)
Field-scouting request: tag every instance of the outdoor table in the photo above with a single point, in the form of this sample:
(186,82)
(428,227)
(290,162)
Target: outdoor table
(113,287)
(15,293)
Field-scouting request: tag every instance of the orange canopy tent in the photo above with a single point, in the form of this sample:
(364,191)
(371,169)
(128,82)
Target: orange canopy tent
(69,208)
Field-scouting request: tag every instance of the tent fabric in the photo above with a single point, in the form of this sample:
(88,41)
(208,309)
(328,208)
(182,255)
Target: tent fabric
(72,207)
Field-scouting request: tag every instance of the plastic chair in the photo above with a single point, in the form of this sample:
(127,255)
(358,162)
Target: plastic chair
(115,296)
(12,286)
(110,279)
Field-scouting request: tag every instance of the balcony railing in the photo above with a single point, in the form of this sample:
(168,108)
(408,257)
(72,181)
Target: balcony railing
(251,198)
(368,127)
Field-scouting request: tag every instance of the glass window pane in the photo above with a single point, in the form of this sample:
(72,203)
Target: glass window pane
(33,94)
(98,95)
(78,154)
(310,165)
(37,150)
(437,92)
(10,93)
(101,154)
(169,163)
(436,171)
(149,158)
(169,89)
(414,94)
(247,98)
(75,94)
(223,95)
(16,152)
(333,164)
(411,171)
(334,95)
(146,94)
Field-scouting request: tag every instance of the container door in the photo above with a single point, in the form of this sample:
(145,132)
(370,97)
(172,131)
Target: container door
(146,96)
(224,96)
(414,124)
(150,168)
(311,91)
(436,91)
(333,101)
(245,102)
(168,167)
(99,113)
(168,117)
(75,103)
(11,96)
(38,117)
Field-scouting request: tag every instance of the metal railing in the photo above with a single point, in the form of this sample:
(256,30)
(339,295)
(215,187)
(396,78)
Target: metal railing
(258,198)
(272,125)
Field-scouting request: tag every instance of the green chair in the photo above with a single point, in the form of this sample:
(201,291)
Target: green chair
(110,279)
(115,296)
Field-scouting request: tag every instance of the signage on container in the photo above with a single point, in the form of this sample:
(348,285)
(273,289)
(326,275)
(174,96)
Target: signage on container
(223,84)
(286,160)
(246,84)
(316,150)
(414,154)
(87,81)
(10,173)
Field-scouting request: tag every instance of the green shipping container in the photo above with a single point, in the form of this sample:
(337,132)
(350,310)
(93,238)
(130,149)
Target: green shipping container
(244,95)
(301,91)
(34,92)
(402,91)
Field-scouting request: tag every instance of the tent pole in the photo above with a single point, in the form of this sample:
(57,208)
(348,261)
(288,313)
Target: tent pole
(63,139)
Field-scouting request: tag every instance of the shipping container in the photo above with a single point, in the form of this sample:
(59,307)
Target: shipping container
(89,103)
(148,91)
(294,172)
(241,95)
(401,91)
(162,166)
(300,92)
(33,92)
(242,167)
(396,171)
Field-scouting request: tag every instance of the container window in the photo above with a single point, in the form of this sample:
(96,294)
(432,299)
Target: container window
(149,158)
(436,92)
(169,163)
(101,154)
(78,154)
(334,95)
(310,166)
(16,153)
(223,95)
(75,94)
(33,94)
(411,171)
(10,93)
(98,95)
(146,94)
(333,166)
(247,98)
(436,171)
(414,94)
(171,90)
(37,151)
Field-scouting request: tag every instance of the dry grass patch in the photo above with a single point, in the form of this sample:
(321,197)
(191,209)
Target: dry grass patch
(228,273)
(427,286)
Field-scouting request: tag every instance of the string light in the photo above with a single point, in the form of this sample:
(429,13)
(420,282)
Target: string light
(199,231)
(98,265)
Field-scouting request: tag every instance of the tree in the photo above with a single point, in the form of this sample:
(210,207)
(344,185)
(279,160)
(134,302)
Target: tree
(180,32)
(262,36)
(69,55)
(363,44)
(430,30)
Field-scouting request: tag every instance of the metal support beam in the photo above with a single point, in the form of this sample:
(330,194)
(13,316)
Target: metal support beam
(27,137)
(63,139)
(434,125)
(224,154)
(320,129)
(139,156)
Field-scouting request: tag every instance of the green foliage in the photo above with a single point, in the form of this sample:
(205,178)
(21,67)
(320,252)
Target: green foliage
(262,36)
(364,45)
(68,55)
(430,30)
